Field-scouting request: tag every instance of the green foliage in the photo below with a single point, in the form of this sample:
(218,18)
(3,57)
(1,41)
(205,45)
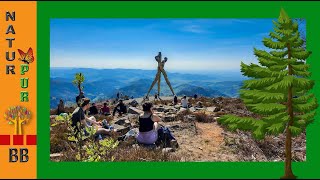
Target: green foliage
(281,70)
(89,150)
(78,80)
(95,152)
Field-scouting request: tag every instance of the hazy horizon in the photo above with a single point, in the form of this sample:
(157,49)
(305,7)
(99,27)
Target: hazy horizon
(212,72)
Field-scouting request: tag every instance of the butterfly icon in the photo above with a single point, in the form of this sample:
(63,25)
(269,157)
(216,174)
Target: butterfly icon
(26,57)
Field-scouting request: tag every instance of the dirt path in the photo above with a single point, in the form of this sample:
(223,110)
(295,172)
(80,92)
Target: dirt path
(205,144)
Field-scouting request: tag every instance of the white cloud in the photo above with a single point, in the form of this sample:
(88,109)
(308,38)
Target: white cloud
(194,29)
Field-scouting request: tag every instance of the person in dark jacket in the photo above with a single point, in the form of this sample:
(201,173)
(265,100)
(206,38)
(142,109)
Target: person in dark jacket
(120,108)
(93,110)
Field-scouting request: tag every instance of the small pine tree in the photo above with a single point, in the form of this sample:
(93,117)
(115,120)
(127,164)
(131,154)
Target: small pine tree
(278,90)
(78,80)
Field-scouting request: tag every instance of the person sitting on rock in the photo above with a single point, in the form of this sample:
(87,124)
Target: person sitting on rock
(78,116)
(93,109)
(150,131)
(184,102)
(105,110)
(60,108)
(148,125)
(120,108)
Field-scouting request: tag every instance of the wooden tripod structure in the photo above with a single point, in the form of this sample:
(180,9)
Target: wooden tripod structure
(158,75)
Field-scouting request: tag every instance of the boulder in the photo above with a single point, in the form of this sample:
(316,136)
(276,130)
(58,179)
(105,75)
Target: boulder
(169,113)
(170,109)
(121,129)
(169,118)
(159,109)
(133,110)
(199,109)
(190,117)
(199,104)
(133,116)
(182,110)
(213,109)
(192,109)
(134,103)
(160,114)
(121,121)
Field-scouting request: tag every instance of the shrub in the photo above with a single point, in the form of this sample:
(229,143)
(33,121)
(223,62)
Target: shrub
(203,117)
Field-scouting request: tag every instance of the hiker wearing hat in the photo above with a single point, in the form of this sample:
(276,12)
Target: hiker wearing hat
(78,116)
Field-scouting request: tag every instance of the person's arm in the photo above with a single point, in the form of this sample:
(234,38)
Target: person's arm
(84,123)
(155,118)
(83,118)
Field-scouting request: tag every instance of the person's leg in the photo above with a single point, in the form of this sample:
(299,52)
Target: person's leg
(101,130)
(122,111)
(92,118)
(114,111)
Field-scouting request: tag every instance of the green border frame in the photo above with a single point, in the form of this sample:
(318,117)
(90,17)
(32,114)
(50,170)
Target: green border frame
(169,9)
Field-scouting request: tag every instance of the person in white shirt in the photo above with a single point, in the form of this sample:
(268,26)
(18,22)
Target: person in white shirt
(184,102)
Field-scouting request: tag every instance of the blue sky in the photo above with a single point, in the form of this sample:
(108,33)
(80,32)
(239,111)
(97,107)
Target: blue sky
(200,45)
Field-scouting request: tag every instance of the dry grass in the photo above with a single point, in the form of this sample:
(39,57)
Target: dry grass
(203,117)
(142,154)
(180,116)
(67,110)
(162,102)
(207,102)
(59,138)
(59,143)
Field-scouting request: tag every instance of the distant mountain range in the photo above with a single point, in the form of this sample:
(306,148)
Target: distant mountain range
(101,84)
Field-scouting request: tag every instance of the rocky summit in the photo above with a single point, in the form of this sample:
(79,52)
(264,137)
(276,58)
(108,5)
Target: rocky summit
(199,136)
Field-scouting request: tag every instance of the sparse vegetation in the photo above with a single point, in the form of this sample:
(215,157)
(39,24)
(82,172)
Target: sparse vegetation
(216,142)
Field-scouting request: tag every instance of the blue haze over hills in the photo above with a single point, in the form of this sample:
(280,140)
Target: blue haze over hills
(101,84)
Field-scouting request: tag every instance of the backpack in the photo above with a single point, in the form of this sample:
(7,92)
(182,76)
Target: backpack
(164,136)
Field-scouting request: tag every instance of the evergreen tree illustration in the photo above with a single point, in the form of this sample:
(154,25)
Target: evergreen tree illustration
(278,89)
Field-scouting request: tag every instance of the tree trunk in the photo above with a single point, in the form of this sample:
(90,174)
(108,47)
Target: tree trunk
(19,127)
(15,127)
(79,87)
(288,145)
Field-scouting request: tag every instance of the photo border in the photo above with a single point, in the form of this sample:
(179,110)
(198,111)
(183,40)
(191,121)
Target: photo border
(170,9)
